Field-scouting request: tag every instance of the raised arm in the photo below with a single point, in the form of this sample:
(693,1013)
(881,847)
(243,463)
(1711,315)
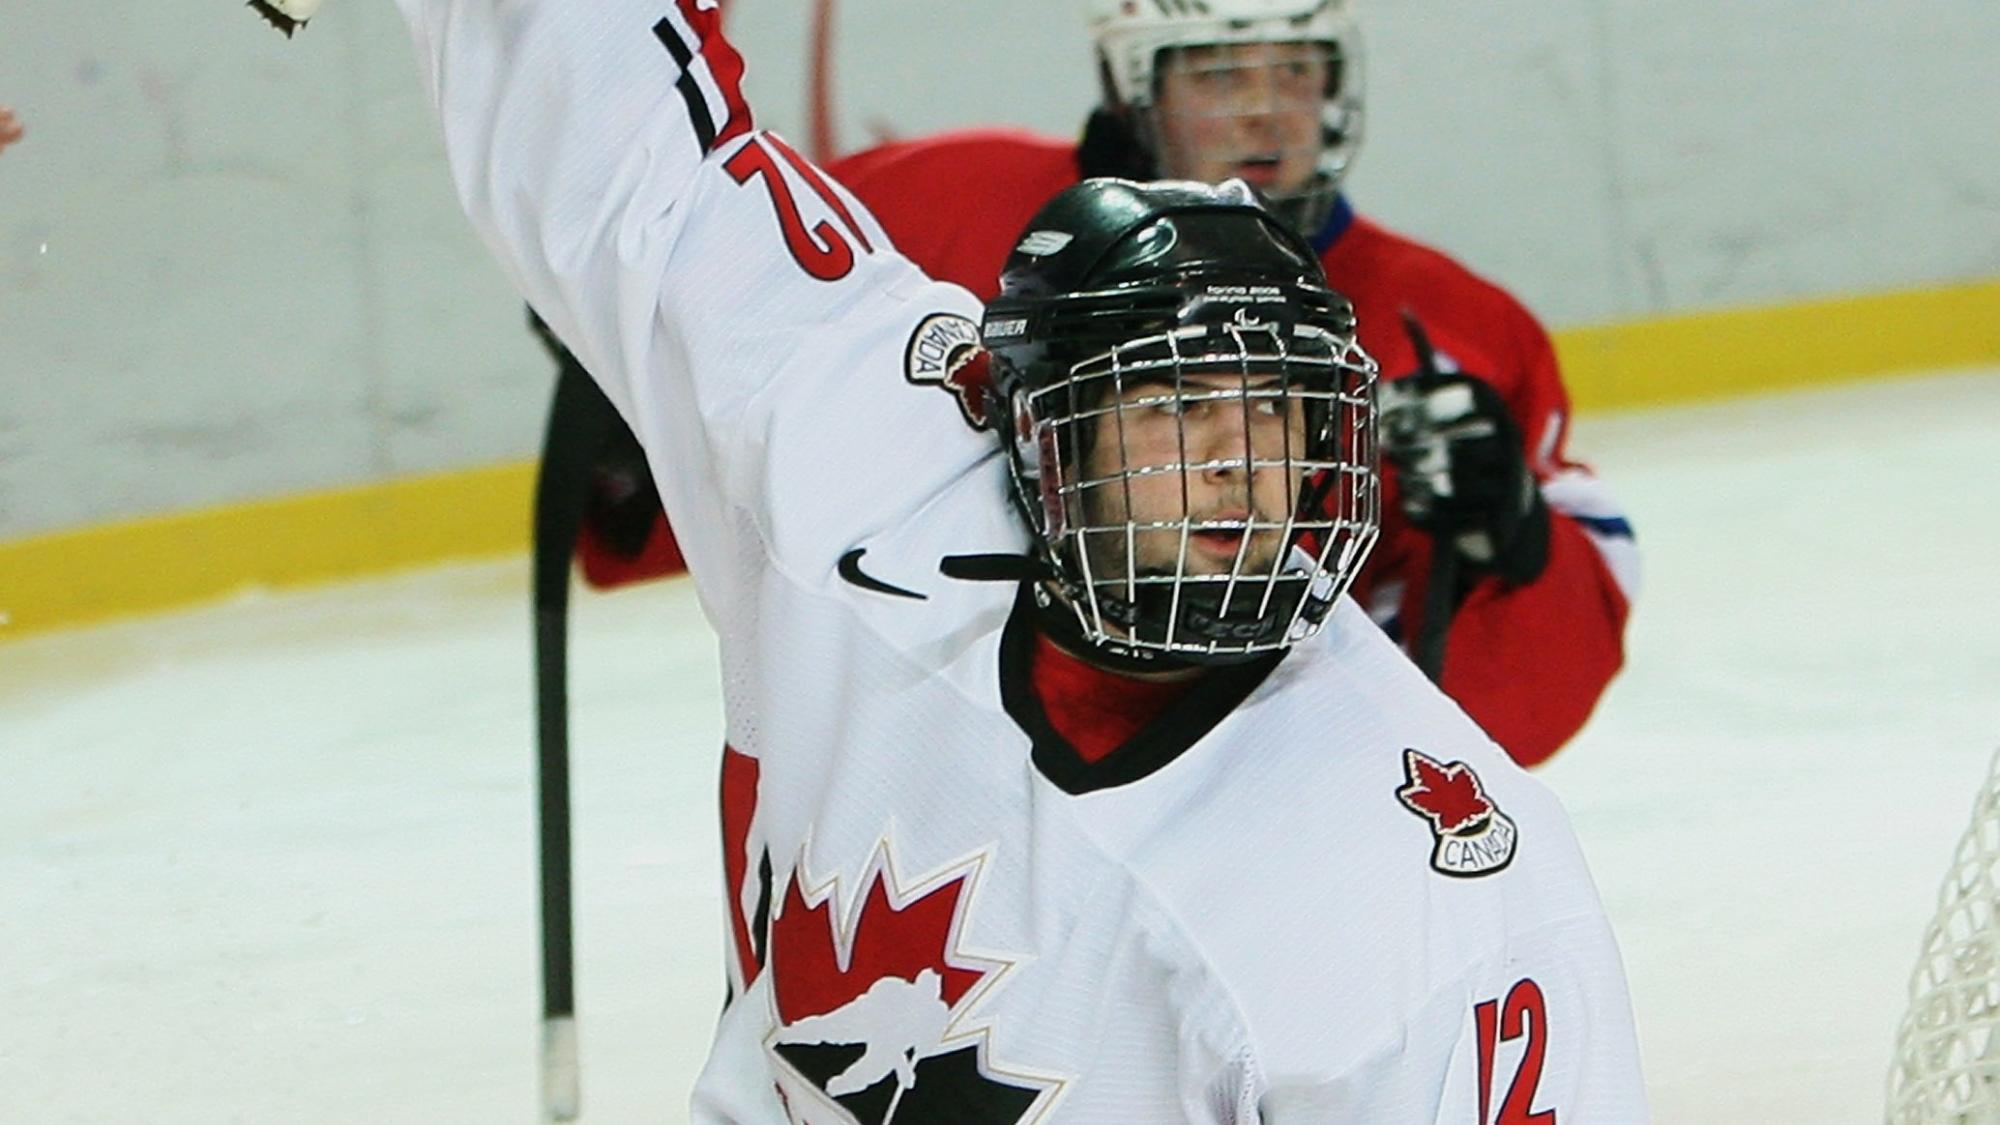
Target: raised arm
(745,315)
(576,135)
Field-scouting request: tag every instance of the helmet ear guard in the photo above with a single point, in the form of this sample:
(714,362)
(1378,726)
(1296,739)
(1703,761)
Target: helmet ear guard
(1128,301)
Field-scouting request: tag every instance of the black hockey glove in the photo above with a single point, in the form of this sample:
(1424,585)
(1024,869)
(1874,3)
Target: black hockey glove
(623,504)
(1457,458)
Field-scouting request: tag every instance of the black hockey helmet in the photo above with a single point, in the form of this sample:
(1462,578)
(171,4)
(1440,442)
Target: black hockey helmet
(1124,303)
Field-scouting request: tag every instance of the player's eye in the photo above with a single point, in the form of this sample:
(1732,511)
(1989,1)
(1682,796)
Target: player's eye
(1214,77)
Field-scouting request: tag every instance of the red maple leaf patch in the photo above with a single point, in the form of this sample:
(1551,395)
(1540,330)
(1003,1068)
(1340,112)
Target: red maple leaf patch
(945,352)
(971,379)
(812,974)
(1449,795)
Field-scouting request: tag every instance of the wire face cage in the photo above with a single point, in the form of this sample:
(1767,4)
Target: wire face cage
(1208,491)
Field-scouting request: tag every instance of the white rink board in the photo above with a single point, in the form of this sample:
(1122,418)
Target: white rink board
(273,861)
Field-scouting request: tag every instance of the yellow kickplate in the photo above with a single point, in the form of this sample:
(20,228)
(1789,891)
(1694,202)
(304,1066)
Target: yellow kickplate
(111,570)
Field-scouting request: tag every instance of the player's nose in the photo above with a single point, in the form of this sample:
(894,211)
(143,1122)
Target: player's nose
(1222,449)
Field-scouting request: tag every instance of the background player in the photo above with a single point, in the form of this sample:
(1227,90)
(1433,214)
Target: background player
(1504,567)
(960,913)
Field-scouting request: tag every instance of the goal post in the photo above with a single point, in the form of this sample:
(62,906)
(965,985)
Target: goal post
(1946,1069)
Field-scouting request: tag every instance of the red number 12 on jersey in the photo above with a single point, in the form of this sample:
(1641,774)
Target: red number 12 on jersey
(1523,1014)
(823,251)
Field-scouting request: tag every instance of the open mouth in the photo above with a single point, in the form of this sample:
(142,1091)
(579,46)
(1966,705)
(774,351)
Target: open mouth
(1218,540)
(1258,171)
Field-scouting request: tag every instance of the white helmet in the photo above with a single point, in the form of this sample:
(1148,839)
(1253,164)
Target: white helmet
(1132,36)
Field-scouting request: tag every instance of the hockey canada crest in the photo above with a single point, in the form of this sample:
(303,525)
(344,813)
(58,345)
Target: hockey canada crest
(945,352)
(1471,835)
(876,1015)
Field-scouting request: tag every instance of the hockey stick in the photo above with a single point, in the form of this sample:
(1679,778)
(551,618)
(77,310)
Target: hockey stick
(580,422)
(819,83)
(1441,586)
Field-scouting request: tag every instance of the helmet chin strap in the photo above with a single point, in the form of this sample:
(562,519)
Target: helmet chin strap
(1202,616)
(1058,618)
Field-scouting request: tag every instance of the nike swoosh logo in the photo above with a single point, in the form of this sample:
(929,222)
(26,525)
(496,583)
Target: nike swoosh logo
(850,569)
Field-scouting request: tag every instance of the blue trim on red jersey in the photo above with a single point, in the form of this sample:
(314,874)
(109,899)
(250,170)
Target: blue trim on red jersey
(1611,527)
(1392,627)
(1337,223)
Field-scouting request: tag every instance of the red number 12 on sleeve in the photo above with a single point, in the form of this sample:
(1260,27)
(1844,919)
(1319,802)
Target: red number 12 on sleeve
(1524,1014)
(822,251)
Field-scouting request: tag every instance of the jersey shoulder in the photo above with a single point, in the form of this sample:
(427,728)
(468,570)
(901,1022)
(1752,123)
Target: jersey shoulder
(1368,823)
(1013,154)
(1372,257)
(955,202)
(1475,324)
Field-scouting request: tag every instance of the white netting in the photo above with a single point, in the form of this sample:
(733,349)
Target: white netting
(1947,1065)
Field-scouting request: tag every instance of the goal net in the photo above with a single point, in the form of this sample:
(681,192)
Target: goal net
(1947,1063)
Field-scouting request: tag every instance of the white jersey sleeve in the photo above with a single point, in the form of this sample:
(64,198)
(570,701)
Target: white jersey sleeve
(1536,1028)
(1533,1026)
(745,314)
(1543,1036)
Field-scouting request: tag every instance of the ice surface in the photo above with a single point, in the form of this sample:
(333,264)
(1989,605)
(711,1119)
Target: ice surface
(273,861)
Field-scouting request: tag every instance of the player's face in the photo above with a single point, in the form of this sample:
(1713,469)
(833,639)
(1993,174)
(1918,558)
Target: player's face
(1244,110)
(1213,453)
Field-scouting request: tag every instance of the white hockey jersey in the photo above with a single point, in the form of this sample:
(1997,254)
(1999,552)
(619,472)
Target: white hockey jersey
(1312,891)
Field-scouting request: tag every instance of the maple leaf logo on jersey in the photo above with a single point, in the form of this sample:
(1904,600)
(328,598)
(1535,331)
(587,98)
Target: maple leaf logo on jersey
(1471,835)
(874,1018)
(945,352)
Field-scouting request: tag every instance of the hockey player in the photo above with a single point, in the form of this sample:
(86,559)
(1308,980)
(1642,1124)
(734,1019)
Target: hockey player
(1307,890)
(1539,563)
(1504,567)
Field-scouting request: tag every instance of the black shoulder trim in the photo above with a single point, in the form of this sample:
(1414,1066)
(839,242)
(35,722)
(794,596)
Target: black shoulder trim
(1157,744)
(697,106)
